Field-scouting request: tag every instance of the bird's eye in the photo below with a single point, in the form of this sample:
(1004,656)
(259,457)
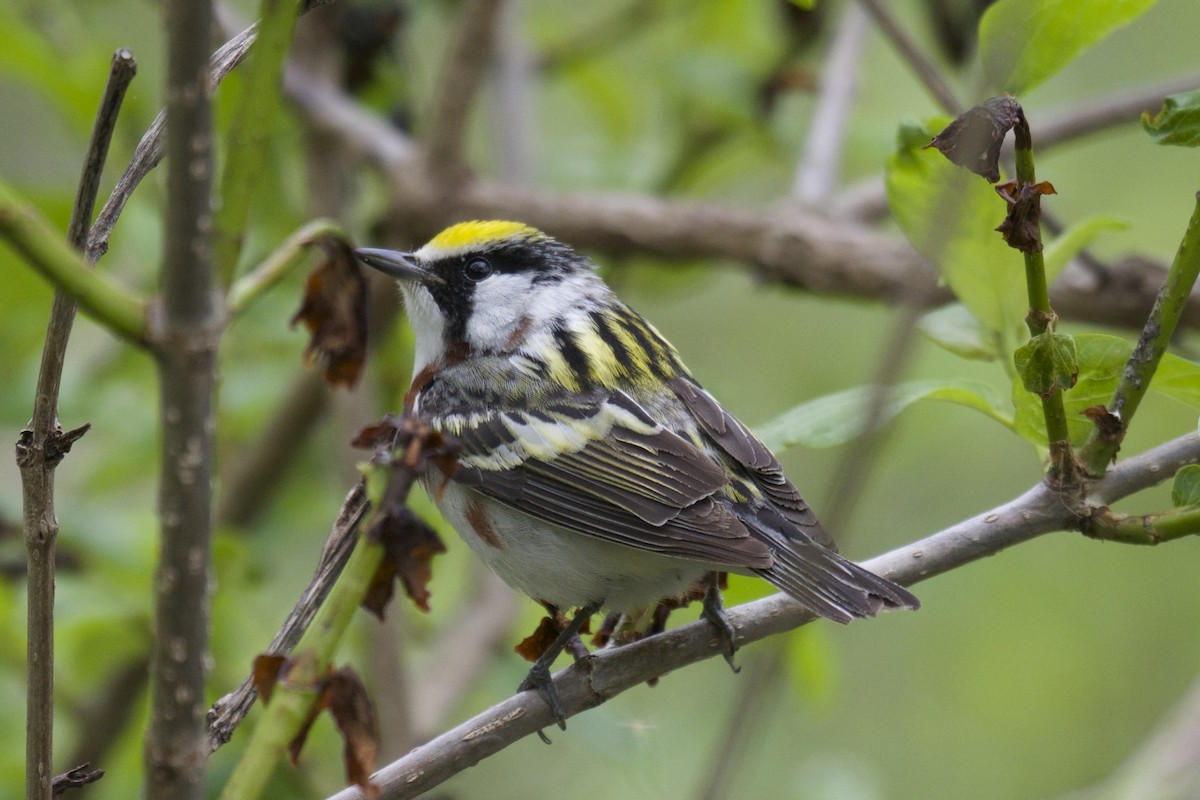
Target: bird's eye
(477,269)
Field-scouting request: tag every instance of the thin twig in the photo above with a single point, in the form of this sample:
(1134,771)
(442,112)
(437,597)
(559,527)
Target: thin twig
(42,446)
(149,150)
(228,712)
(924,69)
(609,672)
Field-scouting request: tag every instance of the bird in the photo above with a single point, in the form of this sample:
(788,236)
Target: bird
(594,471)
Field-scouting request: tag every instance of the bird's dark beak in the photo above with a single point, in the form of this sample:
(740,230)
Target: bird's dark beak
(399,265)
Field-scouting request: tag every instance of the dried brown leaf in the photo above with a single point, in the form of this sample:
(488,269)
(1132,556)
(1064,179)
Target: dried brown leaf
(335,312)
(1022,225)
(350,706)
(535,644)
(409,547)
(265,674)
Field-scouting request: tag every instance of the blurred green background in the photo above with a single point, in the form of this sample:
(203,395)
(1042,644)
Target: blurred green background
(1027,675)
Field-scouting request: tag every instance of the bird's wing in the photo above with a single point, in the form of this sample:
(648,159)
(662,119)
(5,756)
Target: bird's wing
(600,465)
(807,565)
(760,465)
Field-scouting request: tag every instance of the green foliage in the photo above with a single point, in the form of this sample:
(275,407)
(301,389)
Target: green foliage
(1024,42)
(1185,489)
(1046,364)
(837,418)
(1101,362)
(1178,122)
(956,329)
(950,215)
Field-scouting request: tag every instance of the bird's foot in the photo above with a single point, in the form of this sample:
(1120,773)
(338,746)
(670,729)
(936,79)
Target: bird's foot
(539,677)
(714,612)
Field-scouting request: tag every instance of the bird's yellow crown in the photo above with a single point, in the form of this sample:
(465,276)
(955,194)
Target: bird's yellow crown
(478,235)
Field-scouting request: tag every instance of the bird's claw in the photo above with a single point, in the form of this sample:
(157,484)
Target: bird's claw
(714,612)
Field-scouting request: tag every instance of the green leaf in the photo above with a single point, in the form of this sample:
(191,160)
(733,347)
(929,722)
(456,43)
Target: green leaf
(954,328)
(1101,360)
(838,418)
(1178,122)
(1185,490)
(950,215)
(1046,363)
(1070,242)
(1024,42)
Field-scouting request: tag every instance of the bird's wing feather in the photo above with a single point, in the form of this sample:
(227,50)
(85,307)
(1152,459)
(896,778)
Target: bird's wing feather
(600,465)
(740,444)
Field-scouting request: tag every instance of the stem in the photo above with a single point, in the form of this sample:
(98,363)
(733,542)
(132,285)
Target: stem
(1150,529)
(1041,318)
(281,260)
(184,336)
(293,697)
(1100,449)
(40,450)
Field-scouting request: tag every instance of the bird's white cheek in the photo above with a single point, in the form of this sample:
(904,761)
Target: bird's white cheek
(498,307)
(428,324)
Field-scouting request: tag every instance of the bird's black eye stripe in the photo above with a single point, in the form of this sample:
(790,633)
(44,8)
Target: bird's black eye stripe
(477,268)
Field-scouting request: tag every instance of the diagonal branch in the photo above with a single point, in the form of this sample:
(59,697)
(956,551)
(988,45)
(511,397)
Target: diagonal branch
(609,672)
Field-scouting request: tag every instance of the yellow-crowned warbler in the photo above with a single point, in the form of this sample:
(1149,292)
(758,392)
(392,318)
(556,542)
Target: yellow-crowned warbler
(594,470)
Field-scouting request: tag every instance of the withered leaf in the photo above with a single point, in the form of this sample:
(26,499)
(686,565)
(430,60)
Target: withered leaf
(335,312)
(409,547)
(381,434)
(348,702)
(1107,423)
(1022,225)
(265,674)
(974,139)
(532,646)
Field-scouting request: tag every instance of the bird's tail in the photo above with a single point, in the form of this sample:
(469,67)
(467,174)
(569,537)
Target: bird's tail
(832,586)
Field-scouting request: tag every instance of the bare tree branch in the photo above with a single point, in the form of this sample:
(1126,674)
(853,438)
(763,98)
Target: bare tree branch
(787,245)
(42,446)
(609,672)
(921,66)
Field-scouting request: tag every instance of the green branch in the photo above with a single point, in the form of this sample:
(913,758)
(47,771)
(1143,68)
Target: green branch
(1150,529)
(1041,318)
(249,132)
(281,260)
(101,297)
(1102,445)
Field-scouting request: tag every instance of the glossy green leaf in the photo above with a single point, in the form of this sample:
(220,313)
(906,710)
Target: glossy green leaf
(1101,360)
(1024,42)
(1185,489)
(1178,122)
(950,216)
(1046,363)
(954,328)
(838,418)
